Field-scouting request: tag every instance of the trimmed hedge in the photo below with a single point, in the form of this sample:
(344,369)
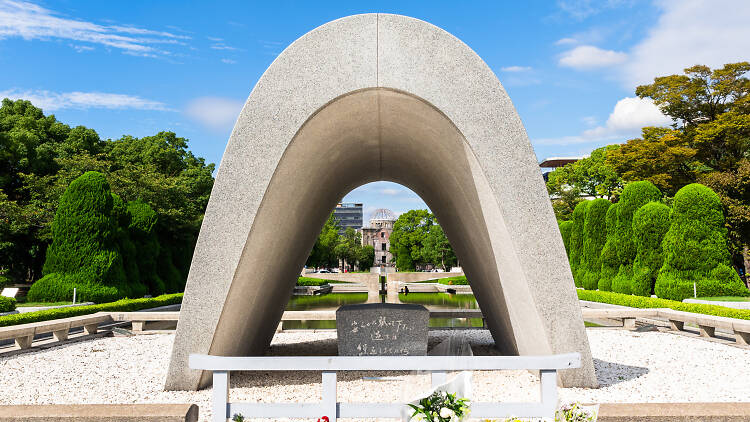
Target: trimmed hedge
(609,262)
(126,305)
(7,304)
(594,237)
(651,302)
(650,224)
(565,229)
(456,281)
(576,241)
(142,228)
(312,281)
(695,249)
(634,196)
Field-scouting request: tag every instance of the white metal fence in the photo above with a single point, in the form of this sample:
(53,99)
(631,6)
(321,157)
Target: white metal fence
(222,366)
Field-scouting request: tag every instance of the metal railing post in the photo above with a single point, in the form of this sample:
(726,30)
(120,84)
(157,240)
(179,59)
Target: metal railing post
(439,377)
(220,396)
(329,396)
(548,385)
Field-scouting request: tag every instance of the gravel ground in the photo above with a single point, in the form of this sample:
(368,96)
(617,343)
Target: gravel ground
(631,367)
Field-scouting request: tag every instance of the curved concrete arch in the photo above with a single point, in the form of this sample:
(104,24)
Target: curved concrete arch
(366,98)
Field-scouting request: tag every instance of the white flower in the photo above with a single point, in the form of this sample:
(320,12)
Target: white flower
(446,413)
(417,418)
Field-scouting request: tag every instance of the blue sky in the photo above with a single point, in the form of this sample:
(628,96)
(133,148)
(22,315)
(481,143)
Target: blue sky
(570,66)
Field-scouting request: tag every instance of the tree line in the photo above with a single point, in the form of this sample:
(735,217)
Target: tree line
(708,143)
(40,157)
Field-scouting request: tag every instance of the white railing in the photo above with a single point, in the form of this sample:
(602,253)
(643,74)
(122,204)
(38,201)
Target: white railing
(329,365)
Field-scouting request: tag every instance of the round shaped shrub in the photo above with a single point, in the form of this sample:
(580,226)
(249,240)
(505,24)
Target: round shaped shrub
(650,224)
(695,249)
(84,253)
(594,237)
(609,262)
(576,240)
(634,196)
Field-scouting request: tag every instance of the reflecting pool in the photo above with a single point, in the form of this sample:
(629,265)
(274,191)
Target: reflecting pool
(333,301)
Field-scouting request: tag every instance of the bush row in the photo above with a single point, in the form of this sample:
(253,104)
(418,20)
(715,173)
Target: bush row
(7,304)
(640,246)
(652,302)
(126,305)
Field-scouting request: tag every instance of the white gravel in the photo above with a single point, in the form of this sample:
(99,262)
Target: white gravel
(631,366)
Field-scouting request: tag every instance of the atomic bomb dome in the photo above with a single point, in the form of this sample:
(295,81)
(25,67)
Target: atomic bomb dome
(382,214)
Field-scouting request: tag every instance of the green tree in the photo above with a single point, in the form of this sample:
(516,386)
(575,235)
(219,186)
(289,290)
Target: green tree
(438,250)
(407,240)
(610,263)
(592,176)
(733,187)
(366,258)
(84,253)
(348,247)
(323,252)
(650,224)
(695,249)
(634,196)
(661,156)
(594,237)
(701,94)
(576,242)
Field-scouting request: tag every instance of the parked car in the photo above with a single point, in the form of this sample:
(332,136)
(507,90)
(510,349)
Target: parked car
(323,270)
(335,270)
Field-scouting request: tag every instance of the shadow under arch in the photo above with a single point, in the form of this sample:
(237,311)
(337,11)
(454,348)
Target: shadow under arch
(326,118)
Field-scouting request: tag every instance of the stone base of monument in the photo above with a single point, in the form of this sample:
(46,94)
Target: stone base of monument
(382,329)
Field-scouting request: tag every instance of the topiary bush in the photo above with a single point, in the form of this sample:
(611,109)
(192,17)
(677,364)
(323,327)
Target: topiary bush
(634,196)
(594,237)
(565,229)
(124,242)
(7,304)
(576,240)
(84,253)
(609,262)
(650,224)
(695,249)
(142,228)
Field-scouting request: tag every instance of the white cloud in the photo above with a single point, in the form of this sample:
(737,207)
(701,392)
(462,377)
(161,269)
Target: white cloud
(228,61)
(516,69)
(626,120)
(581,9)
(566,41)
(590,57)
(389,191)
(50,101)
(31,22)
(217,113)
(223,47)
(690,32)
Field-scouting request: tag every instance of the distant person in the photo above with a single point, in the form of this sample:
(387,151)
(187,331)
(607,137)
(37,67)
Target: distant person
(406,290)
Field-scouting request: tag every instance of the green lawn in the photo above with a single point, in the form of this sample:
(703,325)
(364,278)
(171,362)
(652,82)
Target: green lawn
(726,298)
(29,304)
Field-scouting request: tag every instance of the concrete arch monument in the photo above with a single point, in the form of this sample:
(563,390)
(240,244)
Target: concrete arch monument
(365,98)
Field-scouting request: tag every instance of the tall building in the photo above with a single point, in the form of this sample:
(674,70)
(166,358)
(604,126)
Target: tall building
(348,215)
(378,235)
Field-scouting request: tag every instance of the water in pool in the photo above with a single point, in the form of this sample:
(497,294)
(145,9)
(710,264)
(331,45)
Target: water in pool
(332,301)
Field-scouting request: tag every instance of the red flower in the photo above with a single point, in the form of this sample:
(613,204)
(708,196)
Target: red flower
(323,419)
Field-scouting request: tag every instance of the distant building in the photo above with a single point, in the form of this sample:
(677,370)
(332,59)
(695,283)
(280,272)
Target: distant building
(378,235)
(348,215)
(555,162)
